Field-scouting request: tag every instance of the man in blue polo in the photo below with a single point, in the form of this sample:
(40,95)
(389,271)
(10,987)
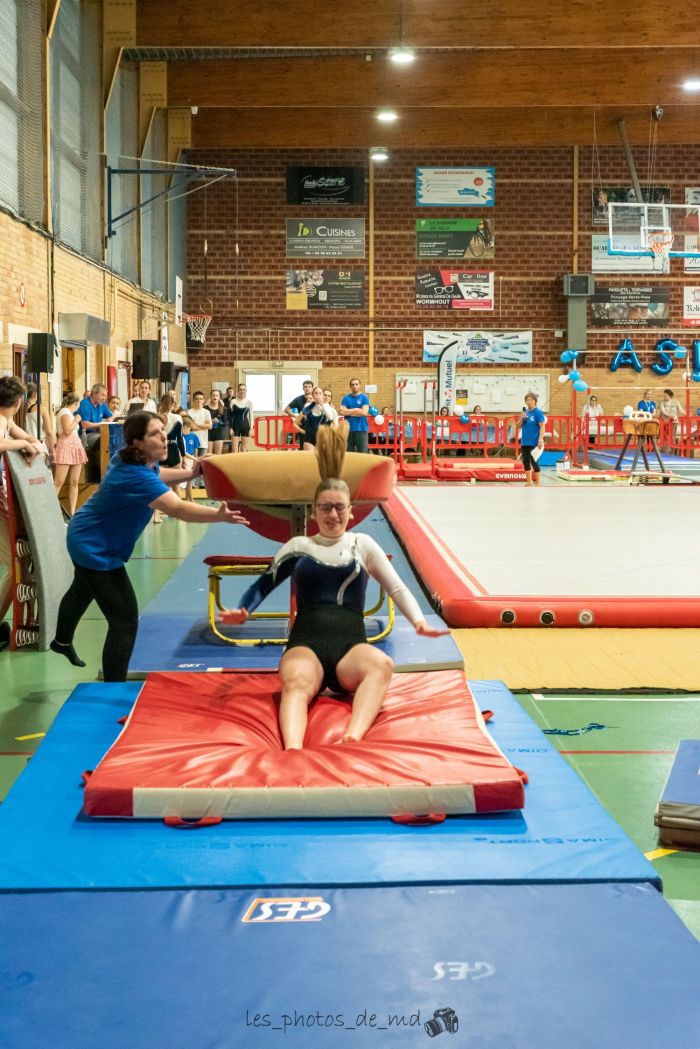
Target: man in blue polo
(355,407)
(93,411)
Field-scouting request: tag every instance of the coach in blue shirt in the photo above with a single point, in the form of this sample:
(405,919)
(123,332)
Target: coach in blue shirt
(355,407)
(532,437)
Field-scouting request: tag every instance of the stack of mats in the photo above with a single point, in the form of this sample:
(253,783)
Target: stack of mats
(499,926)
(678,812)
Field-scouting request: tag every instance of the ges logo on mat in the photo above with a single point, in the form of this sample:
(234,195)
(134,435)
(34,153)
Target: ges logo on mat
(287,909)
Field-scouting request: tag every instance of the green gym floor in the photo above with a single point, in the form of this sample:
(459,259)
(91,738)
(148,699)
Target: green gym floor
(625,762)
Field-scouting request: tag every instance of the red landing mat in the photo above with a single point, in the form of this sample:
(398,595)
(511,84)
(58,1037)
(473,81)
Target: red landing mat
(199,746)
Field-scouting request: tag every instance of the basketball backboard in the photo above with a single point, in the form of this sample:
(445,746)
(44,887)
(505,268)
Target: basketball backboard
(657,230)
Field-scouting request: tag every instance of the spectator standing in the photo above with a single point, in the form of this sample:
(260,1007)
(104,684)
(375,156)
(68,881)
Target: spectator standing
(200,424)
(592,411)
(12,437)
(218,429)
(328,399)
(355,407)
(29,418)
(69,455)
(297,404)
(240,419)
(315,414)
(143,400)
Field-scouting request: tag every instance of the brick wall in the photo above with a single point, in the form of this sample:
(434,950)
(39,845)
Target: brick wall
(533,218)
(79,287)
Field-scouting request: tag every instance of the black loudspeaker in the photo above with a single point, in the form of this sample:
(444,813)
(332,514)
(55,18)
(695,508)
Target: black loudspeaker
(168,372)
(145,364)
(40,353)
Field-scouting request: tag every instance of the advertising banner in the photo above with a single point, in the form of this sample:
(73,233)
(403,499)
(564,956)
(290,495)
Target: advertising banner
(692,196)
(455,187)
(479,347)
(691,307)
(450,290)
(603,262)
(325,238)
(325,289)
(313,185)
(455,239)
(601,196)
(630,307)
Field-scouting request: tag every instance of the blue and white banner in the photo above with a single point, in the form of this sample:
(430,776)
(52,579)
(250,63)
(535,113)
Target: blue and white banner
(479,347)
(455,187)
(603,262)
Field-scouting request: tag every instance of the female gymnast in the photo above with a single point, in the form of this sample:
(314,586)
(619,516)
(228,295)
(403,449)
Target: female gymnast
(103,533)
(328,646)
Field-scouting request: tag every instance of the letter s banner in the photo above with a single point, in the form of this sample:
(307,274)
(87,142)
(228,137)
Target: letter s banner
(664,348)
(286,909)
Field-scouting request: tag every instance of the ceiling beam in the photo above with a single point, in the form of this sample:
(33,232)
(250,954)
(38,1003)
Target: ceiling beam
(478,78)
(426,23)
(306,128)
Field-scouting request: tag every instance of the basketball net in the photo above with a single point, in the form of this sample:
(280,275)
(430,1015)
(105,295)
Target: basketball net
(660,243)
(197,324)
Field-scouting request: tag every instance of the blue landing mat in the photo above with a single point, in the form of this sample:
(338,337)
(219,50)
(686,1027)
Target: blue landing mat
(563,834)
(515,966)
(601,460)
(178,643)
(174,632)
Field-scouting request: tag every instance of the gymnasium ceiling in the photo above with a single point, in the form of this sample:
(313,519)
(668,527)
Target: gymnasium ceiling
(272,74)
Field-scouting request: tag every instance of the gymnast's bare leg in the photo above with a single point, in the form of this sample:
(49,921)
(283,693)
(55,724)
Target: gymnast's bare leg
(301,675)
(367,672)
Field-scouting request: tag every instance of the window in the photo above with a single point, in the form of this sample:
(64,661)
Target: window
(21,170)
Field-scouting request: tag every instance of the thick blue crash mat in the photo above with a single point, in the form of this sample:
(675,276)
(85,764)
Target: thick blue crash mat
(562,835)
(607,966)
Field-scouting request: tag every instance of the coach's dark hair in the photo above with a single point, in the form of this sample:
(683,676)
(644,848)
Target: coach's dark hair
(11,388)
(135,428)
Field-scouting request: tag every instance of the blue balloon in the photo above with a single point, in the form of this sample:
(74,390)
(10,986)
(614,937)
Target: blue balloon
(464,418)
(568,355)
(695,376)
(680,353)
(374,410)
(580,386)
(626,357)
(697,411)
(574,375)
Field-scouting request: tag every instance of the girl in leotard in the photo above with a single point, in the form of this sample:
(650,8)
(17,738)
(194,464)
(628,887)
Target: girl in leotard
(240,419)
(328,647)
(315,414)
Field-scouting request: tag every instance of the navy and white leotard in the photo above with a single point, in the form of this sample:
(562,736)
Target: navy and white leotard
(330,580)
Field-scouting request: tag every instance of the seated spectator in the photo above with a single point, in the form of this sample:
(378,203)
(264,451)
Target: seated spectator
(93,411)
(115,406)
(142,402)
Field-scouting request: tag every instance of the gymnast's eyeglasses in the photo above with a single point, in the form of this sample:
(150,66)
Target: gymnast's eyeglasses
(327,508)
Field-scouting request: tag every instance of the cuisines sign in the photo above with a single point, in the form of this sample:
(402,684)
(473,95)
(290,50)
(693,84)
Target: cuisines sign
(325,238)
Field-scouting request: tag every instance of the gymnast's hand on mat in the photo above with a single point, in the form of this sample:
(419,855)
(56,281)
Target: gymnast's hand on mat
(225,513)
(424,630)
(233,616)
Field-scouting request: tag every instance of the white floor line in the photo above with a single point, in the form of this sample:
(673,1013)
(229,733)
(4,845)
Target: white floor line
(616,699)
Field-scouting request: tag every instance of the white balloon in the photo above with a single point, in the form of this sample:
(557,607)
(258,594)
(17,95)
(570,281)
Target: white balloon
(379,420)
(627,410)
(563,378)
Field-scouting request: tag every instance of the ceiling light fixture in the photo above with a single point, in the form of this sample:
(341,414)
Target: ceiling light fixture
(402,56)
(387,116)
(378,153)
(692,84)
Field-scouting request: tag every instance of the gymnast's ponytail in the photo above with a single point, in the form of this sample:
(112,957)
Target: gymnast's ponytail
(331,445)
